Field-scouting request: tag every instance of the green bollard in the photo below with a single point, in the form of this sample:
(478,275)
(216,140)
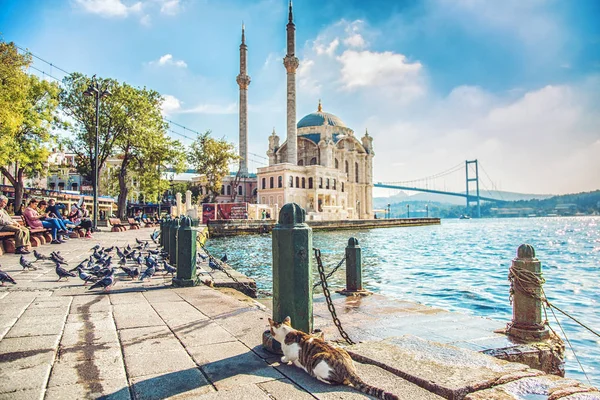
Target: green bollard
(173,241)
(163,227)
(353,270)
(527,323)
(292,272)
(186,254)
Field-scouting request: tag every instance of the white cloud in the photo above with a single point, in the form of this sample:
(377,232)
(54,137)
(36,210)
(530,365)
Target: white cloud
(109,8)
(231,108)
(146,20)
(356,40)
(168,60)
(328,49)
(170,7)
(366,68)
(171,104)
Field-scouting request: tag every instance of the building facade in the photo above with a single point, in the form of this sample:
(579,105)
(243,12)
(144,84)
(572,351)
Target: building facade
(321,166)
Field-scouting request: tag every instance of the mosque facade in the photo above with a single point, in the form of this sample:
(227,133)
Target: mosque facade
(322,165)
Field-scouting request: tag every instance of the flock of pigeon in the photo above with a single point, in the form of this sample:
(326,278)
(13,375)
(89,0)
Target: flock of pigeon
(98,269)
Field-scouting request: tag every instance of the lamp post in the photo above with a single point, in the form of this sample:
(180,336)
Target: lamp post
(389,211)
(408,210)
(427,210)
(95,91)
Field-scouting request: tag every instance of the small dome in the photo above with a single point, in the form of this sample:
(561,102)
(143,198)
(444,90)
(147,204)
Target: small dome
(320,118)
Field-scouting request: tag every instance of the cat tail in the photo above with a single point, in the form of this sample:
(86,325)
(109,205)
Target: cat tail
(358,384)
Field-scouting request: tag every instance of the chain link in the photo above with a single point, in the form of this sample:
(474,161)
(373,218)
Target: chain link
(218,265)
(333,271)
(327,294)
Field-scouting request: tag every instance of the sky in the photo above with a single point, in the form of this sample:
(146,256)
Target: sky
(514,84)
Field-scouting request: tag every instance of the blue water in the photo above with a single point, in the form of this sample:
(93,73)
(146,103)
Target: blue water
(462,265)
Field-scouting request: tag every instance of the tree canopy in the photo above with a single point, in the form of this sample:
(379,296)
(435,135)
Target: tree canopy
(211,157)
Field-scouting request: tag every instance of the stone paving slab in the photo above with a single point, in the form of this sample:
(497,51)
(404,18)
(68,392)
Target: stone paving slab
(442,369)
(184,384)
(542,386)
(157,363)
(285,389)
(245,392)
(115,389)
(31,394)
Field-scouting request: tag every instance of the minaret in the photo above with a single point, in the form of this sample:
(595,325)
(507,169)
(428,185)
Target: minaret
(243,81)
(291,65)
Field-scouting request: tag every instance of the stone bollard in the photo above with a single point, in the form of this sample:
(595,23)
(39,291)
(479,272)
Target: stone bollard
(353,270)
(173,240)
(292,272)
(526,288)
(163,229)
(186,254)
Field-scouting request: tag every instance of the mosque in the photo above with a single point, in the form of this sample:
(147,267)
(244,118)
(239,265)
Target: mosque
(322,165)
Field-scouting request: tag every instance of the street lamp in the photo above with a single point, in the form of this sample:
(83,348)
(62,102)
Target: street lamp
(389,211)
(408,210)
(427,210)
(95,91)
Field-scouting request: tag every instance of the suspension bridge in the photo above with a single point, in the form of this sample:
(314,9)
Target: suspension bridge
(471,182)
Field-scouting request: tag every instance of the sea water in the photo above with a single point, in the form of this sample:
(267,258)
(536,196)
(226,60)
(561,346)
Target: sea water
(462,265)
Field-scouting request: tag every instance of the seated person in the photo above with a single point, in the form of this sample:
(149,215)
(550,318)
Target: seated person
(80,217)
(7,224)
(36,220)
(53,213)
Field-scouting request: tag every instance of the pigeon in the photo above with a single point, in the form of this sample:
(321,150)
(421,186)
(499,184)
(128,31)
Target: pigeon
(85,277)
(56,254)
(154,236)
(63,273)
(120,253)
(128,247)
(80,266)
(131,272)
(202,256)
(4,277)
(122,261)
(224,258)
(57,260)
(169,269)
(139,260)
(153,252)
(96,247)
(40,256)
(105,282)
(213,264)
(138,241)
(108,250)
(97,255)
(26,264)
(148,273)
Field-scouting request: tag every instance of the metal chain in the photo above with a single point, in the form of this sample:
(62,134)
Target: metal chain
(327,294)
(220,268)
(333,271)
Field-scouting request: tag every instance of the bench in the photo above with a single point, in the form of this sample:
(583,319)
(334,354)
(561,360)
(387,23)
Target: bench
(147,222)
(7,242)
(117,225)
(133,224)
(38,236)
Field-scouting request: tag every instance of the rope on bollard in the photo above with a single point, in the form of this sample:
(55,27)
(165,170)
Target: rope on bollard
(333,271)
(330,306)
(526,282)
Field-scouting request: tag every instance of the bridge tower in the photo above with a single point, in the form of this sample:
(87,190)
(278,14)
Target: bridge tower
(473,199)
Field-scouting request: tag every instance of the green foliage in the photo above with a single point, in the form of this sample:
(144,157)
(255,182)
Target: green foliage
(13,96)
(211,157)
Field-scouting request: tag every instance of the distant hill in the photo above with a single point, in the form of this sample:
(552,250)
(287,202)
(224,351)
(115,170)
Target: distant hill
(381,202)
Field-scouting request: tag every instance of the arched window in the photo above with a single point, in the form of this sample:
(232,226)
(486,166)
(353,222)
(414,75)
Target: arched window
(347,166)
(74,186)
(334,182)
(280,181)
(264,200)
(342,187)
(313,161)
(264,185)
(229,190)
(303,183)
(356,172)
(337,164)
(320,183)
(271,180)
(291,182)
(61,186)
(52,185)
(240,190)
(327,184)
(222,189)
(310,183)
(301,162)
(297,181)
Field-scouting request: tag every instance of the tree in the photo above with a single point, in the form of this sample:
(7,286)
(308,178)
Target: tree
(211,157)
(28,152)
(13,96)
(81,110)
(144,145)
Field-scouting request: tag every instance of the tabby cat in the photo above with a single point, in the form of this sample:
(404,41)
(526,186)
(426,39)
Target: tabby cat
(321,360)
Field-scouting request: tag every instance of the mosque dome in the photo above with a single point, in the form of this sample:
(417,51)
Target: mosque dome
(320,118)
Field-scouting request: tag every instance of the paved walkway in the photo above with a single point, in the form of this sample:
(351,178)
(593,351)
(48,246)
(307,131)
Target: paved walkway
(146,340)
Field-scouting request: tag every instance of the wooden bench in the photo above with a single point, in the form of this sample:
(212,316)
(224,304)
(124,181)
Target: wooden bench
(147,222)
(7,242)
(117,225)
(133,224)
(38,236)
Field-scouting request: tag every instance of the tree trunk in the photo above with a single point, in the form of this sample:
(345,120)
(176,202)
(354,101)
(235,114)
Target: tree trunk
(17,183)
(123,190)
